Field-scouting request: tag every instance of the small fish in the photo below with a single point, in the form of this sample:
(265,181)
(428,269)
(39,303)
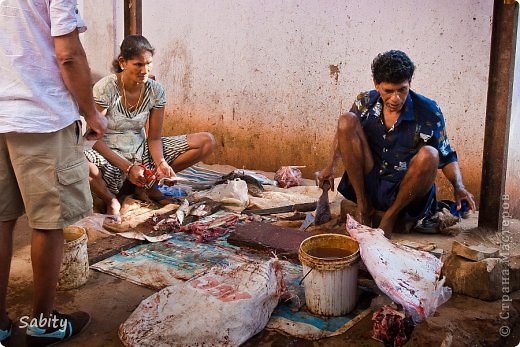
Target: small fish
(183,211)
(199,211)
(253,185)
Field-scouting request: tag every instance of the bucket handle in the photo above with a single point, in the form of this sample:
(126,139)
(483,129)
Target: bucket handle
(308,272)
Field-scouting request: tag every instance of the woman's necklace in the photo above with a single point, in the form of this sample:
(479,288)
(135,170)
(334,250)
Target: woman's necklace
(127,106)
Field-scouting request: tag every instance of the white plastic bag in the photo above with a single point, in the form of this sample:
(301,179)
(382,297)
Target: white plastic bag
(233,193)
(224,307)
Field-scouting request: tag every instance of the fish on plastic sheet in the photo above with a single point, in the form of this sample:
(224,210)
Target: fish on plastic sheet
(183,211)
(408,276)
(224,307)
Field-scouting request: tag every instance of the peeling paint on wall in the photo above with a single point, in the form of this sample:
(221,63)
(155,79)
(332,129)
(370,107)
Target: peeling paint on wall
(175,71)
(334,72)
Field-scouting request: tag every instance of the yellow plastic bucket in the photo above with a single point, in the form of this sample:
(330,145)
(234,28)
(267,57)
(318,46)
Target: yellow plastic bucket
(74,267)
(330,269)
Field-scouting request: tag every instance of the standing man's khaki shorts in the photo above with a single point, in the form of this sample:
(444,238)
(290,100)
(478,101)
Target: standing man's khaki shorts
(45,174)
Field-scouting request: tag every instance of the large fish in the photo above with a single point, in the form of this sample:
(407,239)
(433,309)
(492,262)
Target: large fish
(408,276)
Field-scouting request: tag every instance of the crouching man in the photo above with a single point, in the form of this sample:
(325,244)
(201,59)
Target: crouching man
(392,142)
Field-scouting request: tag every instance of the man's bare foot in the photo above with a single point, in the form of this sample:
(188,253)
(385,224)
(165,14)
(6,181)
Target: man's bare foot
(387,225)
(363,214)
(404,227)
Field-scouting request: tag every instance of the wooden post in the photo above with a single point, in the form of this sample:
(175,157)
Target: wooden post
(498,114)
(133,17)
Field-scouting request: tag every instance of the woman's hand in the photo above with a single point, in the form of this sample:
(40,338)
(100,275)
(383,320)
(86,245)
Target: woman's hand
(135,175)
(164,170)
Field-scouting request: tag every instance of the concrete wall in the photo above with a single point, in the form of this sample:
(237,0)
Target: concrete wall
(269,78)
(513,162)
(104,33)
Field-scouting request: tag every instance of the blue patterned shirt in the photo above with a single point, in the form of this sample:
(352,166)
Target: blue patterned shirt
(420,123)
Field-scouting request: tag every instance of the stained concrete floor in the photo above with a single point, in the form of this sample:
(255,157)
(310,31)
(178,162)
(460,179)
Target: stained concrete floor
(462,321)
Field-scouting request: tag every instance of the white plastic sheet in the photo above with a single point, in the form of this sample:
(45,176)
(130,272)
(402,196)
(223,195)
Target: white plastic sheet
(224,307)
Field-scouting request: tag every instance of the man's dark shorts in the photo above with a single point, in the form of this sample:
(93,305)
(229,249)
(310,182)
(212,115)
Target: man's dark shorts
(382,194)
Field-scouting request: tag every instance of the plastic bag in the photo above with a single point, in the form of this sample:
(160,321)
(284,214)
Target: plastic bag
(233,193)
(177,190)
(288,176)
(224,307)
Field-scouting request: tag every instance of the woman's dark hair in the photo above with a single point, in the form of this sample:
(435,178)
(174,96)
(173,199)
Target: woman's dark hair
(393,66)
(131,47)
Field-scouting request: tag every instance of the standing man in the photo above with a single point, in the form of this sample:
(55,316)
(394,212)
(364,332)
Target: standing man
(44,79)
(391,143)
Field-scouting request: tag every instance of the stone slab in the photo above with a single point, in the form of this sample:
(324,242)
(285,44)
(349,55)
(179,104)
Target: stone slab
(474,252)
(266,237)
(478,279)
(513,273)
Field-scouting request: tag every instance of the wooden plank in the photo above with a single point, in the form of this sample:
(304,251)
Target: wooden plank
(106,247)
(498,114)
(133,12)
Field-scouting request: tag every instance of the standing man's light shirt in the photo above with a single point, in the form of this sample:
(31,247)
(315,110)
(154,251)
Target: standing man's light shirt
(29,104)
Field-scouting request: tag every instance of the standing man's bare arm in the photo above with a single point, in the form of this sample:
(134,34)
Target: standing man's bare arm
(76,75)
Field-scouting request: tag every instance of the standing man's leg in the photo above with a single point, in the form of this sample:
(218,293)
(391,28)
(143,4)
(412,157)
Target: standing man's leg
(416,183)
(357,159)
(46,257)
(6,252)
(11,207)
(51,171)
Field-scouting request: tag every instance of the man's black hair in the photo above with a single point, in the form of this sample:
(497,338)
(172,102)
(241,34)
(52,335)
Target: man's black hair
(393,66)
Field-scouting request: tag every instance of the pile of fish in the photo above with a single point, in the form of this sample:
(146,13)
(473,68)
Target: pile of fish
(204,231)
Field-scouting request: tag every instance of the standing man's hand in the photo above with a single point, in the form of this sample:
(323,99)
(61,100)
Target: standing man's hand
(96,126)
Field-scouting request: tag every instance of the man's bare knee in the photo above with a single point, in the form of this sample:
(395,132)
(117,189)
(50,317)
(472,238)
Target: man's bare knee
(347,122)
(427,157)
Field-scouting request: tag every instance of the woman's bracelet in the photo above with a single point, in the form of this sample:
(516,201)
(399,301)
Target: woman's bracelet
(128,169)
(161,162)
